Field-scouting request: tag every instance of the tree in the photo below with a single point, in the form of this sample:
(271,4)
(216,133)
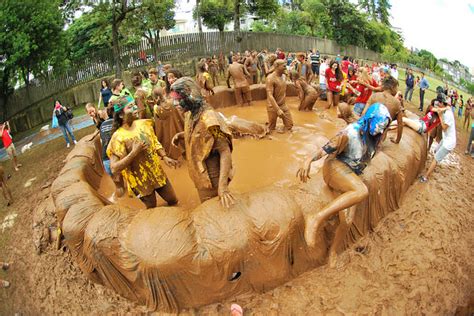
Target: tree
(377,9)
(314,13)
(30,41)
(149,18)
(215,14)
(264,9)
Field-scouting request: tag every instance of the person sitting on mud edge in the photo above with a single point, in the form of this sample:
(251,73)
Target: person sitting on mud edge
(135,152)
(276,95)
(306,92)
(388,99)
(349,153)
(208,143)
(241,85)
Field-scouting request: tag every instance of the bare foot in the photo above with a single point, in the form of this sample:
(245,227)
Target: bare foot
(332,260)
(312,225)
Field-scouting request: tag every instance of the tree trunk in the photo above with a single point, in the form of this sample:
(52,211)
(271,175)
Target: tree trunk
(237,16)
(116,50)
(198,16)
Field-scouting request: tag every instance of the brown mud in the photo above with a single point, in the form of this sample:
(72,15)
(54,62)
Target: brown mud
(418,259)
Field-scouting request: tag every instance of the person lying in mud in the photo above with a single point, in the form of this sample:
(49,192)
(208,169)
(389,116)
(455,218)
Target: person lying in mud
(306,92)
(135,152)
(392,103)
(240,75)
(208,143)
(276,95)
(349,153)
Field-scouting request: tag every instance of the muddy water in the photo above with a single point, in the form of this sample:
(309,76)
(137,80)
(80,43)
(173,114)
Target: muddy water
(258,163)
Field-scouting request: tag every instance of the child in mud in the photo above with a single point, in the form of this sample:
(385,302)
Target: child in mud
(306,92)
(135,152)
(349,153)
(5,190)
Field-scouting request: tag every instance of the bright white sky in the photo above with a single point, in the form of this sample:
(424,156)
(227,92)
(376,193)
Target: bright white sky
(444,27)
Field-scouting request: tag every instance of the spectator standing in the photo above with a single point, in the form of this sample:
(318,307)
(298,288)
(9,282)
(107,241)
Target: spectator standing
(322,74)
(423,86)
(8,144)
(63,117)
(105,93)
(315,57)
(394,71)
(410,83)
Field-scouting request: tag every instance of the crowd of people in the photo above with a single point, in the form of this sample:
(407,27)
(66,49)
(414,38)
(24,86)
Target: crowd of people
(168,118)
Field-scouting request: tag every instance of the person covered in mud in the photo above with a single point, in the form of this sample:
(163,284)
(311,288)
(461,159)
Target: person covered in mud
(392,103)
(171,76)
(94,115)
(239,73)
(203,78)
(7,194)
(303,67)
(306,92)
(208,143)
(135,152)
(349,153)
(276,94)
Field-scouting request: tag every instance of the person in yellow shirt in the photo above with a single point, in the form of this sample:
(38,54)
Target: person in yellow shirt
(135,153)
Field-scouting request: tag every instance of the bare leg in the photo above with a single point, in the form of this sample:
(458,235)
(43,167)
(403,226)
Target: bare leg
(336,99)
(329,98)
(341,178)
(413,124)
(431,168)
(167,193)
(345,223)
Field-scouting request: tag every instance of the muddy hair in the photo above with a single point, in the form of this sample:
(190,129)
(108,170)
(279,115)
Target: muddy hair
(389,83)
(190,93)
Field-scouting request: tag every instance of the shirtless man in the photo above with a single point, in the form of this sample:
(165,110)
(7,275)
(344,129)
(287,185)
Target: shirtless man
(208,143)
(251,65)
(276,94)
(306,92)
(393,104)
(304,68)
(241,86)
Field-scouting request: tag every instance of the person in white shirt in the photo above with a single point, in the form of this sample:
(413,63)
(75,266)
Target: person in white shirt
(394,71)
(322,73)
(448,143)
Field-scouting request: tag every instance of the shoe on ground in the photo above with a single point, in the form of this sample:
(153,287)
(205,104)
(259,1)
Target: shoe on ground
(423,179)
(5,265)
(68,145)
(75,142)
(4,284)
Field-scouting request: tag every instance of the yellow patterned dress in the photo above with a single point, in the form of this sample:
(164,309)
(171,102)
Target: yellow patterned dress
(144,174)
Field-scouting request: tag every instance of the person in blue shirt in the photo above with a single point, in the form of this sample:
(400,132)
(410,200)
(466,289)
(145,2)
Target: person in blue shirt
(105,93)
(410,83)
(423,86)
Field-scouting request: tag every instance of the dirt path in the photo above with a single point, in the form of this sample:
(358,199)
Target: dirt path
(418,260)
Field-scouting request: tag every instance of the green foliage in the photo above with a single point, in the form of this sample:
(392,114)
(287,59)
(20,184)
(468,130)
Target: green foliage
(468,85)
(31,39)
(265,9)
(290,23)
(378,10)
(215,14)
(259,26)
(315,16)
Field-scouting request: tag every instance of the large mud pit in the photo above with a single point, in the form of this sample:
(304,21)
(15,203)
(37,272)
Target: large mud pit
(170,258)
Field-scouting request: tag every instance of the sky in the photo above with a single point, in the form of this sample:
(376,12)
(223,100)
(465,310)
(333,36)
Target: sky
(443,27)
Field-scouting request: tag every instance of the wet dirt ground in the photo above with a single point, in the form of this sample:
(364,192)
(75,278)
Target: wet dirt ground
(417,261)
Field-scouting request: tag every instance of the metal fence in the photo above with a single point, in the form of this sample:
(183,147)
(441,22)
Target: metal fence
(176,49)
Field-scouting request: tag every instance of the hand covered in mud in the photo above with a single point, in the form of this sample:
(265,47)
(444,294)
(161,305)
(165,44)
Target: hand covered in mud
(171,162)
(139,146)
(226,198)
(303,172)
(280,112)
(177,138)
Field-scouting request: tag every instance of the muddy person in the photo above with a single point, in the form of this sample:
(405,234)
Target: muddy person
(276,94)
(306,92)
(5,266)
(239,73)
(203,78)
(135,152)
(349,153)
(393,104)
(304,68)
(251,64)
(142,96)
(8,144)
(7,194)
(208,143)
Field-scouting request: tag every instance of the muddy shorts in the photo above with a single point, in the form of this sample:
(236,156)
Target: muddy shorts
(11,151)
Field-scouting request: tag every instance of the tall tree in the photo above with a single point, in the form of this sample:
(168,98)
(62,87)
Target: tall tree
(198,16)
(314,13)
(237,13)
(215,13)
(383,8)
(30,40)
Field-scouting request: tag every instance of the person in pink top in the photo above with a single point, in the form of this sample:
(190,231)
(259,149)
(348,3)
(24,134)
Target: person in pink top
(8,144)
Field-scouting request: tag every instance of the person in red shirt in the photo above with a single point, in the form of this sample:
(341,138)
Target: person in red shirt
(365,85)
(345,65)
(334,79)
(8,144)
